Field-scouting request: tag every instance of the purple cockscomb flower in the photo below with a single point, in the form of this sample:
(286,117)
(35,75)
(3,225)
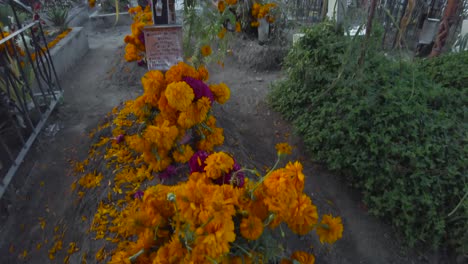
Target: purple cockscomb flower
(236,179)
(139,195)
(141,38)
(119,139)
(141,63)
(200,89)
(197,161)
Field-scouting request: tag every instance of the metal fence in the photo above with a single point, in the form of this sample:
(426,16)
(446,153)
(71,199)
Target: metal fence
(305,11)
(422,21)
(29,90)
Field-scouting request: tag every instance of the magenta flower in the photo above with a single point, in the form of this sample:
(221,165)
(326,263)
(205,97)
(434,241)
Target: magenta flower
(200,89)
(141,62)
(120,138)
(197,161)
(236,179)
(141,38)
(139,195)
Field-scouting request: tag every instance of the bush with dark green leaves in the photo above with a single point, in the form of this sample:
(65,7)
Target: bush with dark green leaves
(396,130)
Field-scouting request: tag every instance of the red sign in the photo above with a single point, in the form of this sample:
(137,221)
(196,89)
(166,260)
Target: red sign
(163,46)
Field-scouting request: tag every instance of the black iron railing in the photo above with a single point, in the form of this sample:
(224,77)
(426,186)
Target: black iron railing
(29,91)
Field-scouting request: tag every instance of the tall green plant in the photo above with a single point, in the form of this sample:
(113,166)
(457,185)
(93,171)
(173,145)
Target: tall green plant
(395,130)
(58,16)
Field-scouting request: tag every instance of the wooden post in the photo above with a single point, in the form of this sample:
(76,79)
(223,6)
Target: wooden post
(368,30)
(404,22)
(444,28)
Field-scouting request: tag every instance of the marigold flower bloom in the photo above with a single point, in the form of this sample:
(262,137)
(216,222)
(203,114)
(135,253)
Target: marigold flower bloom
(330,229)
(221,92)
(134,10)
(121,257)
(238,27)
(303,215)
(179,95)
(255,24)
(222,32)
(172,252)
(303,257)
(184,155)
(203,73)
(231,2)
(206,50)
(175,73)
(213,239)
(131,53)
(153,85)
(283,148)
(218,164)
(295,169)
(251,227)
(221,6)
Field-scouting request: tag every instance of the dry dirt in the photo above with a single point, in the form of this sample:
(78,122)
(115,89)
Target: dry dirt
(101,81)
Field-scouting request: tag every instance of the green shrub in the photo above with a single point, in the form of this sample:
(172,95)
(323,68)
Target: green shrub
(396,129)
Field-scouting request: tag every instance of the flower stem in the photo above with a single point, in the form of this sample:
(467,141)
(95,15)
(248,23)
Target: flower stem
(134,257)
(458,205)
(266,176)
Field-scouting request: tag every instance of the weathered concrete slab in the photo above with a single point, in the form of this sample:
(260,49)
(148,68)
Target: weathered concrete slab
(69,51)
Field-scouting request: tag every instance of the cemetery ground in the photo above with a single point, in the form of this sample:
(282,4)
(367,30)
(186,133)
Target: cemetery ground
(40,215)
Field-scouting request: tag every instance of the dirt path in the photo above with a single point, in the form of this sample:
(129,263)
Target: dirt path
(39,200)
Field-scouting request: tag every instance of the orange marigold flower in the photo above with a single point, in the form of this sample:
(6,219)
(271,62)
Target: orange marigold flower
(303,257)
(330,229)
(179,95)
(303,215)
(172,252)
(222,33)
(131,53)
(213,239)
(153,84)
(238,27)
(183,155)
(175,73)
(295,169)
(251,227)
(221,92)
(218,164)
(121,257)
(206,50)
(255,9)
(283,148)
(134,10)
(221,6)
(231,2)
(203,72)
(255,24)
(92,3)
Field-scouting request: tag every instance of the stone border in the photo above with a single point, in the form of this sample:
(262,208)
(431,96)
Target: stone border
(99,20)
(69,51)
